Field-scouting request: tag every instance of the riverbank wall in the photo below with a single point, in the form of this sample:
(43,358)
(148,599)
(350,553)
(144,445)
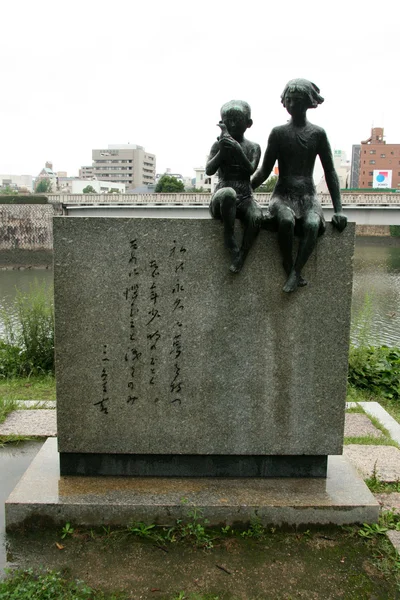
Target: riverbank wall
(26,234)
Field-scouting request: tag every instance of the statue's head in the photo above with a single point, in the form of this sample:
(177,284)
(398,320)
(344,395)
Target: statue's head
(236,114)
(300,93)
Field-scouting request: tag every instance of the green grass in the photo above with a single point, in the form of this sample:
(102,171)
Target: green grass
(28,388)
(50,585)
(391,406)
(370,440)
(355,409)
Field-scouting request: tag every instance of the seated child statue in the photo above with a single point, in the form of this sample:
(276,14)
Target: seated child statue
(235,159)
(294,207)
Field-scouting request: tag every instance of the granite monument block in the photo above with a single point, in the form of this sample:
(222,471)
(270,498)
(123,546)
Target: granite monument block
(166,364)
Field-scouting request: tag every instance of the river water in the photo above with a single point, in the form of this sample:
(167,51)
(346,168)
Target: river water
(376,289)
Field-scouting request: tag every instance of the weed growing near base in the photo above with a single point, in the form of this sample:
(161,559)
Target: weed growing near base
(7,405)
(28,585)
(192,530)
(28,344)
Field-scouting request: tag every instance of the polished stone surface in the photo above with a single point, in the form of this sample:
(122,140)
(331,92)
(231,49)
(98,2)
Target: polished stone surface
(33,422)
(383,460)
(43,496)
(192,465)
(359,425)
(239,367)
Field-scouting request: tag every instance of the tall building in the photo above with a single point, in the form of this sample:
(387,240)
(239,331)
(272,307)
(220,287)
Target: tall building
(122,163)
(342,168)
(379,162)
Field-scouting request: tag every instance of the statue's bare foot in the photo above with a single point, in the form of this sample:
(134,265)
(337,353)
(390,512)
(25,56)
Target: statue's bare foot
(292,282)
(301,282)
(237,262)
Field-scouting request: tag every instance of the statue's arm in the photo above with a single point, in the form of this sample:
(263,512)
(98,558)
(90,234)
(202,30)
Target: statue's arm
(270,156)
(214,160)
(248,157)
(332,181)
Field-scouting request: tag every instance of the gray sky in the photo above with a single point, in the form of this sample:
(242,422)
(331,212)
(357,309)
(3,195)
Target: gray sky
(82,75)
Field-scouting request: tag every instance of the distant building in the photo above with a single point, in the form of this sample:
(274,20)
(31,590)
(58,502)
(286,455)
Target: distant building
(355,166)
(86,172)
(122,163)
(48,173)
(207,182)
(342,168)
(75,185)
(21,183)
(379,162)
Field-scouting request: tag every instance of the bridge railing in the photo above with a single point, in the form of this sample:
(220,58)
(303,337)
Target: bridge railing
(204,199)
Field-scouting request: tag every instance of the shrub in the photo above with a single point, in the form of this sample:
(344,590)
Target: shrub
(23,200)
(28,344)
(376,369)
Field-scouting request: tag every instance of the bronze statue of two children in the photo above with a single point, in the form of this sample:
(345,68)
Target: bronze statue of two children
(294,208)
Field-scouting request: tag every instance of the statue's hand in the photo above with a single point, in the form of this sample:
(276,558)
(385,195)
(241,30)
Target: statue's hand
(339,220)
(229,142)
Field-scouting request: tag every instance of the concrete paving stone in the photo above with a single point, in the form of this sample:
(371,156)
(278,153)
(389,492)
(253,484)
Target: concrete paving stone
(358,425)
(394,537)
(389,501)
(365,457)
(376,410)
(40,422)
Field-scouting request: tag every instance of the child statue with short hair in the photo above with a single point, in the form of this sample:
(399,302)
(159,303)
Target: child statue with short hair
(235,159)
(294,207)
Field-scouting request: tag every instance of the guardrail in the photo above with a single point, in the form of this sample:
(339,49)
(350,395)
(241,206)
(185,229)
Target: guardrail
(204,199)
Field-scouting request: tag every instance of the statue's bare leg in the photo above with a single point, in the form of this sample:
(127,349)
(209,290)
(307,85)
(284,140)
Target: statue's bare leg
(226,201)
(286,237)
(251,217)
(307,244)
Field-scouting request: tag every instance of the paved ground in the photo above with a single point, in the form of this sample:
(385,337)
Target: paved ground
(384,461)
(359,425)
(40,422)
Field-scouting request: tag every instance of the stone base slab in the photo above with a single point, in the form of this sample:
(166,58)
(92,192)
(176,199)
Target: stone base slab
(42,496)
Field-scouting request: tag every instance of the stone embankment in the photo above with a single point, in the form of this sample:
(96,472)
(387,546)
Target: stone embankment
(26,230)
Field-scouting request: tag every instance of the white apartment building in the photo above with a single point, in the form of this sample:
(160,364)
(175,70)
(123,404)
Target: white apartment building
(122,163)
(18,182)
(342,168)
(207,182)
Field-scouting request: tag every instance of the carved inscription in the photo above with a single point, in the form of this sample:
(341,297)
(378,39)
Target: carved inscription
(154,299)
(177,258)
(153,325)
(102,404)
(133,355)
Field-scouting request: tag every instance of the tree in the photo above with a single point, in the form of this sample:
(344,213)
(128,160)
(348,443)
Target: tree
(195,190)
(8,191)
(169,185)
(114,191)
(89,189)
(268,186)
(44,186)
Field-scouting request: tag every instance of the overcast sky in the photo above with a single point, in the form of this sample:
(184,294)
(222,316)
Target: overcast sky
(82,75)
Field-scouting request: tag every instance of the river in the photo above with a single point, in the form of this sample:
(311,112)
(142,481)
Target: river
(376,289)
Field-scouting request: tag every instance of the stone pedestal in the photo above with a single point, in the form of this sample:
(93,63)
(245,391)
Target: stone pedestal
(42,496)
(168,365)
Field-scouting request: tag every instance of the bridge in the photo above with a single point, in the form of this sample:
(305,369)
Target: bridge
(362,208)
